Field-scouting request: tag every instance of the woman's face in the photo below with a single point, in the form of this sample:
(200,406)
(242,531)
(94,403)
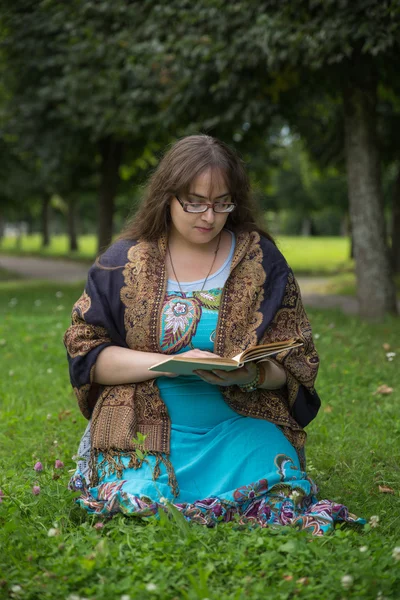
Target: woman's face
(200,228)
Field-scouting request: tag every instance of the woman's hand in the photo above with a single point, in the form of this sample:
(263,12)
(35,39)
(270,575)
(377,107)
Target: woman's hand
(191,354)
(241,376)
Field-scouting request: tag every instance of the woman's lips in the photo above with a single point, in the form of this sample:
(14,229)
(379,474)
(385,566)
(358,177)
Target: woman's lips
(204,228)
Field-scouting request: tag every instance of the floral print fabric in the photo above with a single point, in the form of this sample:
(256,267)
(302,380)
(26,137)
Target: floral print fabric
(229,467)
(255,504)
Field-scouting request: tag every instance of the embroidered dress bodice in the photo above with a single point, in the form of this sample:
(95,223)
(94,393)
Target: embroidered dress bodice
(190,322)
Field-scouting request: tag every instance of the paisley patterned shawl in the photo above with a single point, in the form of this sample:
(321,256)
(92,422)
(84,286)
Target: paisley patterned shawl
(121,305)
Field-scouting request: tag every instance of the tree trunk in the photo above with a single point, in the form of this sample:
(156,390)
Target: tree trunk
(2,227)
(395,229)
(111,155)
(45,220)
(73,240)
(306,226)
(20,235)
(29,223)
(375,286)
(345,231)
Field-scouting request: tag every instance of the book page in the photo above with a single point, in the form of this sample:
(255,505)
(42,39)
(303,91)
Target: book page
(258,352)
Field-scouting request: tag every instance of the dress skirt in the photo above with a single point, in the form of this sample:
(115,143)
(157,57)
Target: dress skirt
(228,467)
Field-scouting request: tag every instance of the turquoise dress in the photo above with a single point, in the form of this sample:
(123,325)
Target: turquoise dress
(227,466)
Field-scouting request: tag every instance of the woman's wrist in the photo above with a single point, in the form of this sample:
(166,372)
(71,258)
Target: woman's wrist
(274,375)
(255,382)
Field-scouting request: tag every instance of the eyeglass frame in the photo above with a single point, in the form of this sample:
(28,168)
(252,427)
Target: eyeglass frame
(208,205)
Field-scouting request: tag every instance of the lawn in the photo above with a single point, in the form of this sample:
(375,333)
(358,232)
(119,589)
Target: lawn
(306,255)
(51,550)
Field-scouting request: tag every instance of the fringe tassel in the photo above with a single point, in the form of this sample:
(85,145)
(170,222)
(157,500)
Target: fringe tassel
(172,481)
(111,463)
(93,474)
(157,470)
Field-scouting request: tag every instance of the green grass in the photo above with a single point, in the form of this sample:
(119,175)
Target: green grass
(316,255)
(305,255)
(353,448)
(58,248)
(6,275)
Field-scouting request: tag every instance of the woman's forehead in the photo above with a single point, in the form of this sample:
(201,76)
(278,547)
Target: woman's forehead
(211,182)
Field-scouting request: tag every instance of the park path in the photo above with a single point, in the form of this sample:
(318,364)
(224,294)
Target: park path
(46,269)
(68,271)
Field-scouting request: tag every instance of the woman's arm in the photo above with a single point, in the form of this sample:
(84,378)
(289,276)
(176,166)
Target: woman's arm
(274,375)
(116,366)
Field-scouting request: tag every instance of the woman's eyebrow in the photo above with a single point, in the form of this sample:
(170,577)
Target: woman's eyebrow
(205,197)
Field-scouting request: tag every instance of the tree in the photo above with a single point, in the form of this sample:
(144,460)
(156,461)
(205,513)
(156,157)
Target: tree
(346,44)
(76,70)
(262,56)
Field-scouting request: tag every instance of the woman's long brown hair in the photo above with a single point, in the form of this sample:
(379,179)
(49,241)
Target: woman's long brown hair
(183,162)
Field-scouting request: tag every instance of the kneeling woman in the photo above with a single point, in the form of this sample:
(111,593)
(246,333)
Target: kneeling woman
(193,273)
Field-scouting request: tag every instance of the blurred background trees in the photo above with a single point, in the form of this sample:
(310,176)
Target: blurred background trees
(308,93)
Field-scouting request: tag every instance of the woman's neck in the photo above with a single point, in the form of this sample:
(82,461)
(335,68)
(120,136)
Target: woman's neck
(192,261)
(178,244)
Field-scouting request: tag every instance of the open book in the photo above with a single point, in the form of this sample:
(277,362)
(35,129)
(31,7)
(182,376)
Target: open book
(185,366)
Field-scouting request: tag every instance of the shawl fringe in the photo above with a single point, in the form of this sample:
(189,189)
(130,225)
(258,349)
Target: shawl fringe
(112,464)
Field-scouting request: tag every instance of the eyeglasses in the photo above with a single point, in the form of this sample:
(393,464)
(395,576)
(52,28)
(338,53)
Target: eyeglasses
(201,207)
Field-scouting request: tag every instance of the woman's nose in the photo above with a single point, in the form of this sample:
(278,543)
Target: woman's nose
(209,215)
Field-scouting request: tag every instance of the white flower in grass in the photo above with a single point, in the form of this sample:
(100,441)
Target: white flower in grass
(2,342)
(316,336)
(347,581)
(60,307)
(59,294)
(374,521)
(163,500)
(396,553)
(16,589)
(295,495)
(363,548)
(48,416)
(74,597)
(52,532)
(390,356)
(11,373)
(151,587)
(13,302)
(125,597)
(49,371)
(38,303)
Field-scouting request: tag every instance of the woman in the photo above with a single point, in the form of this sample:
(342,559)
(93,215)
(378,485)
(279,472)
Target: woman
(193,273)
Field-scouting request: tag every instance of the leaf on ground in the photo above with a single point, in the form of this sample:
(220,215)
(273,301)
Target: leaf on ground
(328,408)
(384,489)
(63,414)
(303,580)
(383,389)
(287,577)
(386,347)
